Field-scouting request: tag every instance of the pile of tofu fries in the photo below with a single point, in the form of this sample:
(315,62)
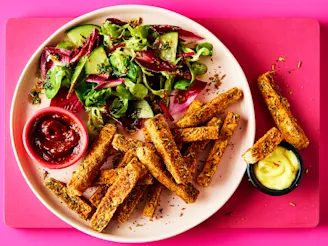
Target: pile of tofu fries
(151,165)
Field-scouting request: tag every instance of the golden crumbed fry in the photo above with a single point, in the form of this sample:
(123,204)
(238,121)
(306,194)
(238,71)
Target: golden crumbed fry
(264,146)
(146,135)
(108,177)
(229,125)
(115,195)
(194,134)
(195,105)
(130,203)
(96,197)
(194,149)
(165,145)
(152,199)
(77,204)
(124,143)
(90,166)
(149,158)
(280,112)
(209,110)
(129,155)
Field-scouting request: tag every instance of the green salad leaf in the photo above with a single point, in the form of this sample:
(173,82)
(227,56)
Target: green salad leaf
(138,91)
(203,49)
(138,41)
(97,98)
(56,77)
(123,92)
(199,68)
(119,107)
(95,120)
(134,73)
(82,89)
(182,84)
(119,61)
(65,45)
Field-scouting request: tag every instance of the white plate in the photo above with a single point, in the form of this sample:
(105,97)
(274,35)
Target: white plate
(210,200)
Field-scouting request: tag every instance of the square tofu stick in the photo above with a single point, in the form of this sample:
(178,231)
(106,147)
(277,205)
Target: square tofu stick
(194,134)
(163,140)
(194,149)
(95,158)
(280,112)
(152,199)
(153,162)
(96,197)
(229,125)
(264,146)
(108,177)
(209,110)
(124,143)
(115,195)
(77,204)
(130,203)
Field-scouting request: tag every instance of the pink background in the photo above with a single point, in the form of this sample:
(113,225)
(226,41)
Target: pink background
(313,9)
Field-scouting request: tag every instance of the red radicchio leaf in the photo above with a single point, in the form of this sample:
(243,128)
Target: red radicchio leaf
(97,78)
(153,63)
(109,84)
(180,100)
(183,34)
(117,21)
(186,54)
(72,104)
(165,110)
(91,42)
(46,64)
(115,47)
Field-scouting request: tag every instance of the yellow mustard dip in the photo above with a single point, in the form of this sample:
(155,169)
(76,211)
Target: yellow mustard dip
(278,170)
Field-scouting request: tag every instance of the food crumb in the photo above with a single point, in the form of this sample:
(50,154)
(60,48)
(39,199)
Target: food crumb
(183,208)
(172,205)
(45,174)
(290,93)
(292,204)
(281,58)
(307,171)
(181,214)
(229,213)
(273,67)
(138,225)
(130,228)
(299,64)
(161,210)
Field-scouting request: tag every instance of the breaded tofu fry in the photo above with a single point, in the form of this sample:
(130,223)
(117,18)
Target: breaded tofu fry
(280,112)
(115,195)
(163,140)
(90,166)
(209,110)
(146,135)
(96,197)
(124,143)
(194,149)
(128,156)
(194,134)
(77,204)
(195,105)
(152,199)
(149,158)
(130,203)
(264,146)
(108,177)
(229,125)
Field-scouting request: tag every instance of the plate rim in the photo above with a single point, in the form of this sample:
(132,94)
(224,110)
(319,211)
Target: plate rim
(35,55)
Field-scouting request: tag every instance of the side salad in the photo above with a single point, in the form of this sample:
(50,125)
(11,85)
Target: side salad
(124,71)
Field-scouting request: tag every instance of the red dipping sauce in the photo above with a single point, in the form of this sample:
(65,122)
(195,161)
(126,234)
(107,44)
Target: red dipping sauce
(55,138)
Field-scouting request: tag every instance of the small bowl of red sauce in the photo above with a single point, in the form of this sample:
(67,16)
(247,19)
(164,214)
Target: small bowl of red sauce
(55,138)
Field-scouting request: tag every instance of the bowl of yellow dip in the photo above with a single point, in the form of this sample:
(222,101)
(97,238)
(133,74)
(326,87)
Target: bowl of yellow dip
(278,173)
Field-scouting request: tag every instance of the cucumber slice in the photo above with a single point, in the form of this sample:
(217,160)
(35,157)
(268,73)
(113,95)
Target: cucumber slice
(79,33)
(65,45)
(143,109)
(77,72)
(97,57)
(168,46)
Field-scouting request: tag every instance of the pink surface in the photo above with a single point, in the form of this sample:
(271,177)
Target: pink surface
(262,49)
(199,235)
